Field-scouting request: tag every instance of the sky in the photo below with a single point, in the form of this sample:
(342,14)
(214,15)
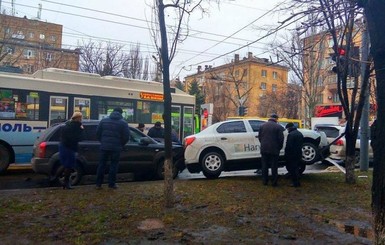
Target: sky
(231,27)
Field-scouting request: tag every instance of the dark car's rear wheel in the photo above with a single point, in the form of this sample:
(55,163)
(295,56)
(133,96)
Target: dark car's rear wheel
(75,177)
(212,165)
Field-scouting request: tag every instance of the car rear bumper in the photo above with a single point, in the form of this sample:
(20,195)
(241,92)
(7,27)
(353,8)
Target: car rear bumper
(40,165)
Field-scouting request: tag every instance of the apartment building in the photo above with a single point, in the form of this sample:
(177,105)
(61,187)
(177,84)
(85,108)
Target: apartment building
(244,82)
(31,44)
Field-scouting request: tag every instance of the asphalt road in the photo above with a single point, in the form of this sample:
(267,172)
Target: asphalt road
(23,177)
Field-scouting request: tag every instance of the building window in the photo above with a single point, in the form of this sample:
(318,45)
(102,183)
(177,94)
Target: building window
(18,35)
(31,35)
(29,53)
(263,86)
(49,57)
(53,38)
(42,36)
(274,87)
(275,75)
(7,30)
(28,68)
(320,99)
(10,50)
(236,73)
(245,72)
(336,98)
(264,73)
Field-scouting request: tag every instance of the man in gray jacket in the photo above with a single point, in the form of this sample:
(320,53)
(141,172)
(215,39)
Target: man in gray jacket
(113,133)
(271,139)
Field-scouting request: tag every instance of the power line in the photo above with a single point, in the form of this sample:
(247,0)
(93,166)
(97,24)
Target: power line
(118,15)
(203,53)
(234,33)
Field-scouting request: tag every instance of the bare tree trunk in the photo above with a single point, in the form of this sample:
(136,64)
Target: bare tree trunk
(350,160)
(168,180)
(374,10)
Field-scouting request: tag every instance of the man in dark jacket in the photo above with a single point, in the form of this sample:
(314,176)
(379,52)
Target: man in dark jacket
(156,132)
(271,139)
(293,153)
(113,133)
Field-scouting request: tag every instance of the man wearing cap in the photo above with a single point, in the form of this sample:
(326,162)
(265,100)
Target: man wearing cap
(141,127)
(271,138)
(113,133)
(293,153)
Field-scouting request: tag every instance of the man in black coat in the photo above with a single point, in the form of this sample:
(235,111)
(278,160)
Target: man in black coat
(113,133)
(156,132)
(271,139)
(293,153)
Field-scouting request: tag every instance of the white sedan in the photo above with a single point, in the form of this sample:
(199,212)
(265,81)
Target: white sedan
(234,145)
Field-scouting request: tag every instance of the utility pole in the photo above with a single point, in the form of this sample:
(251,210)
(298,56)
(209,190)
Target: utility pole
(364,139)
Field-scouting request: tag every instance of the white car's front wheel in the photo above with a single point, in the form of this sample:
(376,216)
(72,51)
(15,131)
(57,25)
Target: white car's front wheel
(212,165)
(309,153)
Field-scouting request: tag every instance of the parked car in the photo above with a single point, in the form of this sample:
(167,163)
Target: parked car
(338,148)
(234,145)
(142,155)
(332,131)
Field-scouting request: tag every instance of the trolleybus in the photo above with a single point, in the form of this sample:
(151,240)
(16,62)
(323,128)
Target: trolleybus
(31,103)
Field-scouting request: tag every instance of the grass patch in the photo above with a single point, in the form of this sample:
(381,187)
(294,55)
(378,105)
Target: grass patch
(226,210)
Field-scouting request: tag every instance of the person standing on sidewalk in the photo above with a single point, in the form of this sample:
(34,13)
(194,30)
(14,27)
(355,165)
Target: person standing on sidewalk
(271,138)
(70,135)
(293,153)
(113,133)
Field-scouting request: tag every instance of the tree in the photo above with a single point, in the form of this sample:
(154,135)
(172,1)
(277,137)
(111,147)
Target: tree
(135,66)
(228,89)
(303,57)
(9,54)
(374,10)
(199,96)
(284,102)
(105,59)
(109,59)
(339,17)
(179,10)
(179,84)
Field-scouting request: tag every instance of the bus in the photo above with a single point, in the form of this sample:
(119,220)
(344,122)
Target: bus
(31,103)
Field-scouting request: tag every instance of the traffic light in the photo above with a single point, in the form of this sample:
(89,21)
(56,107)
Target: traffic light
(245,111)
(340,63)
(204,118)
(241,111)
(205,113)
